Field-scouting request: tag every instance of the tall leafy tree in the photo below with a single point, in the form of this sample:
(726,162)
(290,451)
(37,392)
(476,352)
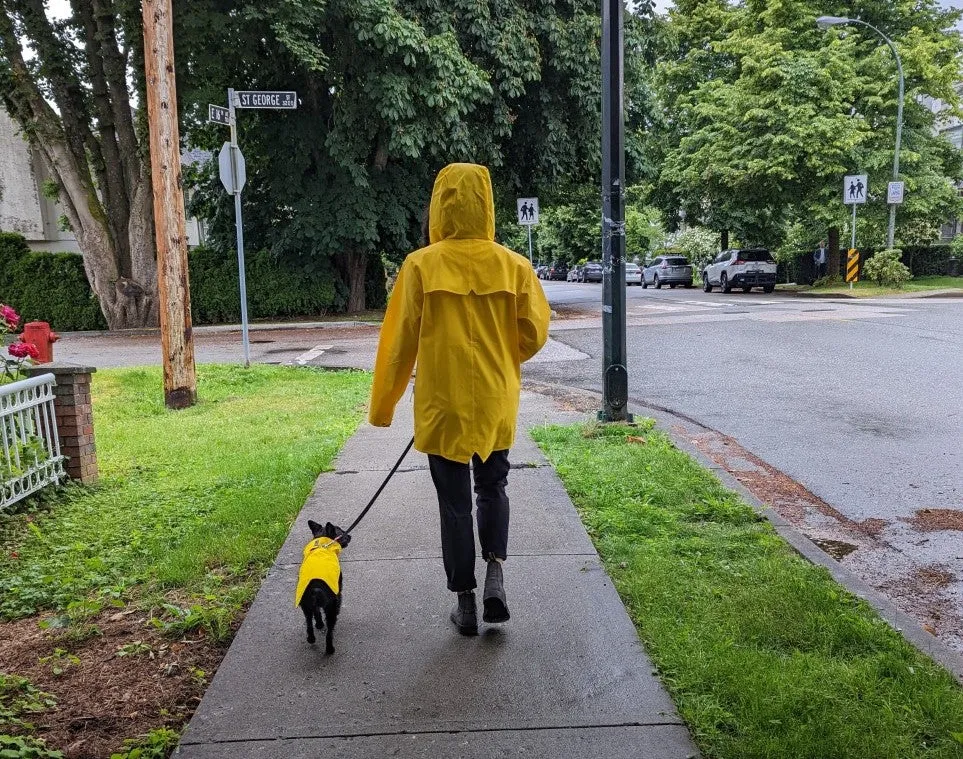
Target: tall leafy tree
(391,90)
(768,113)
(71,97)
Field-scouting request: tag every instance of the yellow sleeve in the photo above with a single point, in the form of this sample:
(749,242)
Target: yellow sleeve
(533,317)
(397,347)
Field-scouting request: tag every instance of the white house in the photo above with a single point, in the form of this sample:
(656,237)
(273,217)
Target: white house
(23,207)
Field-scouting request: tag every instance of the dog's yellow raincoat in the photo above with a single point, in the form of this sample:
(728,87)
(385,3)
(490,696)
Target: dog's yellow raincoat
(470,312)
(320,562)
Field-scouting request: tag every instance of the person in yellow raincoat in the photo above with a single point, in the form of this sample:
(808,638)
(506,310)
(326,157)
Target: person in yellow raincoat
(469,312)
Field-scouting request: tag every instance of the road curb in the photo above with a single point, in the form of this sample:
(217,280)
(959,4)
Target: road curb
(223,328)
(921,295)
(900,621)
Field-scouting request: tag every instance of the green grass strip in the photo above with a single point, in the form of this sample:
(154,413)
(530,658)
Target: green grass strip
(186,499)
(764,654)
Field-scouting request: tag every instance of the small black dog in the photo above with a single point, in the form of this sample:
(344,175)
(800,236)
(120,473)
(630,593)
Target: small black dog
(320,581)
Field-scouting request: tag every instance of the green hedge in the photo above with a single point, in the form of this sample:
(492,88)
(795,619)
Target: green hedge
(274,290)
(49,287)
(926,260)
(53,287)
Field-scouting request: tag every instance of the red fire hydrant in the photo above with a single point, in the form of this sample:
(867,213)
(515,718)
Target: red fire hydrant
(40,334)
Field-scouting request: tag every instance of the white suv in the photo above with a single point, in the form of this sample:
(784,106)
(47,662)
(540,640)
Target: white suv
(741,268)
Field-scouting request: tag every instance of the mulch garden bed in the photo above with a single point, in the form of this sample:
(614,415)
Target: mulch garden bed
(121,683)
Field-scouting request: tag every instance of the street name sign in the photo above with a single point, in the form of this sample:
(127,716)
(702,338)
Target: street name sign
(266,99)
(855,187)
(894,193)
(218,115)
(527,211)
(232,177)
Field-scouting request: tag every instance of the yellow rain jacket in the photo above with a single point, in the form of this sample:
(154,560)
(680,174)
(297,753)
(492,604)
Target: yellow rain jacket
(320,562)
(469,311)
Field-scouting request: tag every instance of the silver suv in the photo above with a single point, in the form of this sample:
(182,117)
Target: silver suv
(743,268)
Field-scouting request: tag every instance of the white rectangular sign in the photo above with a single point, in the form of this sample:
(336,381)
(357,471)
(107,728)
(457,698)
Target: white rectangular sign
(266,99)
(218,114)
(527,211)
(855,188)
(894,193)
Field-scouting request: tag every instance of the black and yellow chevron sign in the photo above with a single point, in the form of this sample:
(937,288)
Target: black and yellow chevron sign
(852,265)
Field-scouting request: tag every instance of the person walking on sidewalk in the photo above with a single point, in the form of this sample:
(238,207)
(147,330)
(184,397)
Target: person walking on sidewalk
(469,312)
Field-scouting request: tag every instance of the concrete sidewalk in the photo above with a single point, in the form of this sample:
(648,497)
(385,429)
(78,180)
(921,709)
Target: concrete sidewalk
(566,677)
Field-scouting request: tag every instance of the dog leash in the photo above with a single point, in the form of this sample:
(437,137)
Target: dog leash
(383,484)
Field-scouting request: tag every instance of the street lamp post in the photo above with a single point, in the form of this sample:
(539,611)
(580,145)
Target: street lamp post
(824,22)
(615,382)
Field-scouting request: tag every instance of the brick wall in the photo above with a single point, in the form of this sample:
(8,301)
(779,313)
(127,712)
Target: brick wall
(75,417)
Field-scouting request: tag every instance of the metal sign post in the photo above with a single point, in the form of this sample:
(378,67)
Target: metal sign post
(615,377)
(528,216)
(855,190)
(234,175)
(239,227)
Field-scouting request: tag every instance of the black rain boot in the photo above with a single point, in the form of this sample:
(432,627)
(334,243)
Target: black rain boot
(464,614)
(495,607)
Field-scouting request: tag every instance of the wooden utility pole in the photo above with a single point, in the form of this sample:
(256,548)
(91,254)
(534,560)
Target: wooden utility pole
(177,342)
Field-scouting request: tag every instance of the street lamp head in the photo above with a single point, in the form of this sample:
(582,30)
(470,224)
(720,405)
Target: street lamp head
(824,22)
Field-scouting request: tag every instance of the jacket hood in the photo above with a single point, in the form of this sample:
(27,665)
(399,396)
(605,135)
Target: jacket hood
(462,205)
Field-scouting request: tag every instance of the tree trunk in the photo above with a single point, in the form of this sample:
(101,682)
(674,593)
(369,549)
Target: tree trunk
(103,182)
(353,265)
(724,240)
(832,265)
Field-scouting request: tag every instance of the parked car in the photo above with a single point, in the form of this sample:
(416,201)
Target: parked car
(574,274)
(633,274)
(591,272)
(557,271)
(541,270)
(667,270)
(745,268)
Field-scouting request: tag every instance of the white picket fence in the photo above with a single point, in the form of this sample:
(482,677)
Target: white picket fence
(31,456)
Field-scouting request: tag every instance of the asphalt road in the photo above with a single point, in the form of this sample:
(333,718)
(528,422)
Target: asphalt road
(859,401)
(863,401)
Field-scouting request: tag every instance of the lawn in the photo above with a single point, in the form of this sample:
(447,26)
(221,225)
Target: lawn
(763,653)
(871,290)
(191,509)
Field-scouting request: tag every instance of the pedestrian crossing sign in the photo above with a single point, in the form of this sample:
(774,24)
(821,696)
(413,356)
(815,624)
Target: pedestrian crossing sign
(855,188)
(527,211)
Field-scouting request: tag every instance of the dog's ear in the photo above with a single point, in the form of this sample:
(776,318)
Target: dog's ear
(330,531)
(316,529)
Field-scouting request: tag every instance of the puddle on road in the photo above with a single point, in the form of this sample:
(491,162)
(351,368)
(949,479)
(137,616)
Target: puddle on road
(838,549)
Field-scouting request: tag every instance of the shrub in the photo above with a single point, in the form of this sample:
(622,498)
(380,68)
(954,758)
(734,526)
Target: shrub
(49,287)
(886,269)
(274,289)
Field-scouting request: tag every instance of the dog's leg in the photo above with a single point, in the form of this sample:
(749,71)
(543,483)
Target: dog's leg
(331,611)
(307,618)
(318,617)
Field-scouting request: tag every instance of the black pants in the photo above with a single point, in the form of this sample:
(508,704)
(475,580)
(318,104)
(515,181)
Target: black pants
(453,483)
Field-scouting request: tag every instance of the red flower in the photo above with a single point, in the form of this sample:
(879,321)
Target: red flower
(9,316)
(23,350)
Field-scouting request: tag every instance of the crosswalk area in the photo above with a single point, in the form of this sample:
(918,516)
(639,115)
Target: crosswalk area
(665,310)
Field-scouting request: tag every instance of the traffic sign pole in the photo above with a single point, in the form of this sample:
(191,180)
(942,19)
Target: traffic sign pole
(530,243)
(853,246)
(239,228)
